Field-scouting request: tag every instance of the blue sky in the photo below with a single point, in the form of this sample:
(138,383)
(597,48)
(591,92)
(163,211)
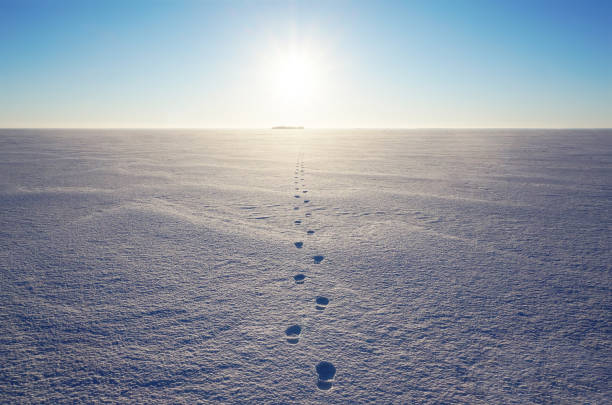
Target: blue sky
(319,64)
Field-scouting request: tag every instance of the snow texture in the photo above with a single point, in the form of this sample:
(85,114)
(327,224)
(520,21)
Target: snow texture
(424,267)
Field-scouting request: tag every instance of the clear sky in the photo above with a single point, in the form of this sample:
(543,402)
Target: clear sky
(337,63)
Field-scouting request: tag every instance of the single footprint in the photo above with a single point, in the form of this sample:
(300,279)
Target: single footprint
(310,232)
(297,222)
(299,244)
(297,196)
(299,278)
(326,372)
(321,303)
(296,208)
(305,201)
(318,259)
(293,334)
(308,214)
(305,191)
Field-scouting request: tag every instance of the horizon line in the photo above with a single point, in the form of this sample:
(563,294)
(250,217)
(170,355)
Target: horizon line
(304,128)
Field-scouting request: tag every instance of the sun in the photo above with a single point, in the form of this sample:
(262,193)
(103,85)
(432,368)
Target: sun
(293,80)
(295,76)
(292,76)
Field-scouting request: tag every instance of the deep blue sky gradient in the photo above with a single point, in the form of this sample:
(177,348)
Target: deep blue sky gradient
(391,64)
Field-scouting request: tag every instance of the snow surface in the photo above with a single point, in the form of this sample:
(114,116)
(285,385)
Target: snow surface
(158,266)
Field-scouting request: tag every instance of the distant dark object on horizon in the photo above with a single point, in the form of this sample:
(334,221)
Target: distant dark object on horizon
(287,127)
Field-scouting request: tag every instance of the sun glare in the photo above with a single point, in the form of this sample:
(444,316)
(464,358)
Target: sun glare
(292,79)
(295,77)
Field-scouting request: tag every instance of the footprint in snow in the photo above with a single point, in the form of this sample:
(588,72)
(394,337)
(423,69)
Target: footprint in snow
(297,222)
(293,334)
(318,259)
(321,303)
(308,214)
(299,278)
(305,201)
(297,196)
(326,372)
(305,191)
(310,232)
(299,244)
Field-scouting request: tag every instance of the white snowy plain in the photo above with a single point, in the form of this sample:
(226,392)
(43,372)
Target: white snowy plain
(461,266)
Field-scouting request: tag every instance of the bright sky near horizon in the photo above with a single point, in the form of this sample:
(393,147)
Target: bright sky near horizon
(327,64)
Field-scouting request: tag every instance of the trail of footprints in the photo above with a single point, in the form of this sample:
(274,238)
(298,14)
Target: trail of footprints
(324,369)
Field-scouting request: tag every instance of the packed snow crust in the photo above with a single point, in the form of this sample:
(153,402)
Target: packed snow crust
(160,266)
